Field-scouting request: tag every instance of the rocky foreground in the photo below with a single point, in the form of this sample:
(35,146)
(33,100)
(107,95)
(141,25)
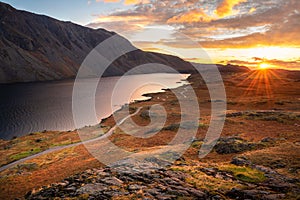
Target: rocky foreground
(256,157)
(131,179)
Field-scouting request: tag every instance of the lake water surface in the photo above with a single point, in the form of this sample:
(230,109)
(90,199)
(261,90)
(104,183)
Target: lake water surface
(34,107)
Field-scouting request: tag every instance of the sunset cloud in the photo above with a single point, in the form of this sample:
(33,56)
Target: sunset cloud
(272,22)
(274,63)
(197,15)
(121,23)
(129,2)
(225,8)
(222,24)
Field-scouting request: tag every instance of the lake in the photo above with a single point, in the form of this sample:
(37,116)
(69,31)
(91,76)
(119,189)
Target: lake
(34,107)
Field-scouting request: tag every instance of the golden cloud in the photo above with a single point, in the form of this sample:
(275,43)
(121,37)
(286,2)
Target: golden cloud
(134,19)
(121,23)
(275,63)
(196,15)
(225,8)
(129,2)
(257,24)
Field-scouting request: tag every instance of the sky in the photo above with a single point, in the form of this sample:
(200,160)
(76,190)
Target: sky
(241,32)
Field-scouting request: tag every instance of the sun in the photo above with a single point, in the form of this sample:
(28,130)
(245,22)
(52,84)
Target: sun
(264,66)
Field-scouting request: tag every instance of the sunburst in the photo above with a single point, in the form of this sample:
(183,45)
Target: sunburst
(260,82)
(264,66)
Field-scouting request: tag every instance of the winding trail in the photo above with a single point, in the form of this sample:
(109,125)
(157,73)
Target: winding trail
(109,133)
(182,92)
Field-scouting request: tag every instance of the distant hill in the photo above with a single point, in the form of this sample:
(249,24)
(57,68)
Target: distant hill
(290,74)
(223,68)
(38,48)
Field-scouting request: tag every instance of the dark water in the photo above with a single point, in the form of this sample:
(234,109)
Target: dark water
(33,107)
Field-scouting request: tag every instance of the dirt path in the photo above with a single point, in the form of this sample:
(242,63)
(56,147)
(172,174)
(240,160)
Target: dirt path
(109,133)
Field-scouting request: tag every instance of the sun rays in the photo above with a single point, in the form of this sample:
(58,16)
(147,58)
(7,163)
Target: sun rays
(259,82)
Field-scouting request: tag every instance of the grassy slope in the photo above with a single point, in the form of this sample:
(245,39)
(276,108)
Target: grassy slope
(284,96)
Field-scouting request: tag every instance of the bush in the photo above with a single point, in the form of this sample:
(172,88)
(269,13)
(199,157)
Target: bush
(245,174)
(25,154)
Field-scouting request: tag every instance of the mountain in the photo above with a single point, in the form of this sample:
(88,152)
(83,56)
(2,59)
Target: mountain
(38,48)
(229,68)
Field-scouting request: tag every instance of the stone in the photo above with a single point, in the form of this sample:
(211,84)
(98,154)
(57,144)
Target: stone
(233,145)
(70,189)
(240,161)
(177,192)
(135,187)
(153,191)
(63,184)
(112,181)
(166,197)
(91,188)
(197,193)
(216,197)
(268,139)
(209,171)
(274,196)
(246,194)
(278,185)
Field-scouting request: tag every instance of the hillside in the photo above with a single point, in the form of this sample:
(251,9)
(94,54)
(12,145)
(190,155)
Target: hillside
(256,157)
(37,48)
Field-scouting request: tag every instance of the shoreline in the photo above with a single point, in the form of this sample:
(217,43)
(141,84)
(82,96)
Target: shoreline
(74,78)
(51,150)
(33,124)
(272,136)
(57,148)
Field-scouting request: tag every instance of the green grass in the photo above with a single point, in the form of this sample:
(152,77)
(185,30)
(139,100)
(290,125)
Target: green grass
(200,180)
(169,155)
(25,154)
(196,144)
(245,174)
(202,125)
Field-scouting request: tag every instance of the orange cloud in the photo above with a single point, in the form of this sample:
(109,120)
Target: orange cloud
(225,8)
(274,63)
(196,15)
(272,24)
(137,18)
(121,23)
(129,2)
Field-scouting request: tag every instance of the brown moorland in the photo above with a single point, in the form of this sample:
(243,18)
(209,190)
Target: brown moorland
(260,138)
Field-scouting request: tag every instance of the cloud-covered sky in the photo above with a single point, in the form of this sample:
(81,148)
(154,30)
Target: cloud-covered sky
(229,31)
(246,28)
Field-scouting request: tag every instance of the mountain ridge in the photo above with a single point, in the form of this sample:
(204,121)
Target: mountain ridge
(35,47)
